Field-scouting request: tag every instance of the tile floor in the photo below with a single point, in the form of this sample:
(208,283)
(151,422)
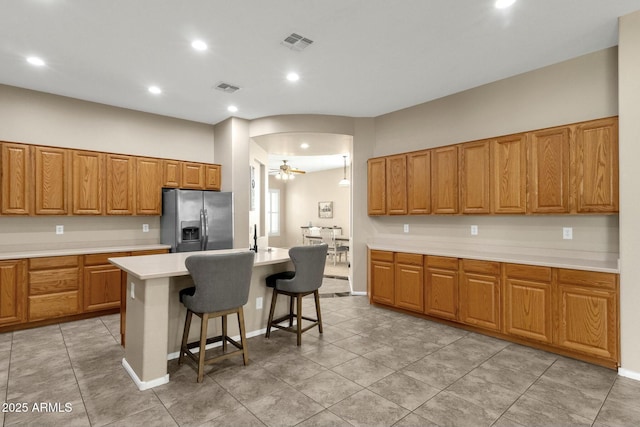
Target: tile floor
(371,367)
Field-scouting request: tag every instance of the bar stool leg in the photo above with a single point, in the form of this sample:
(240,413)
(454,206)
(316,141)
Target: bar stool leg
(203,345)
(185,336)
(316,296)
(243,336)
(291,311)
(274,296)
(299,319)
(224,333)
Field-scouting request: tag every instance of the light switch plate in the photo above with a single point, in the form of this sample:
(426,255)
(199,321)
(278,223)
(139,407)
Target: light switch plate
(259,303)
(474,230)
(59,229)
(567,233)
(145,228)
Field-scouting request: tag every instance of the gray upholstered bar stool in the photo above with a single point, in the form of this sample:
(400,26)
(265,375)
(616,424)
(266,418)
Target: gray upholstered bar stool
(221,288)
(309,262)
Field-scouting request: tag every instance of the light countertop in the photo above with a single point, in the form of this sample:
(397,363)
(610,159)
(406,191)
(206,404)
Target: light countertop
(78,251)
(576,260)
(170,265)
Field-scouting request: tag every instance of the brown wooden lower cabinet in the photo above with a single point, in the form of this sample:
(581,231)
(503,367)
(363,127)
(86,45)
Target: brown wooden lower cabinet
(441,287)
(409,282)
(479,293)
(102,281)
(572,312)
(13,292)
(54,287)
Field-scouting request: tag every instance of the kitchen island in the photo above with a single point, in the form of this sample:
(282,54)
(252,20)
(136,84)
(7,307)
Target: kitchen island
(155,317)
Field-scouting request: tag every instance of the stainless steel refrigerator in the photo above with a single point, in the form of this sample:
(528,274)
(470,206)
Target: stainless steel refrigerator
(194,220)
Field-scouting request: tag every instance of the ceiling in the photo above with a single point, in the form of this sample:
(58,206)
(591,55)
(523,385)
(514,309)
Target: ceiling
(368,57)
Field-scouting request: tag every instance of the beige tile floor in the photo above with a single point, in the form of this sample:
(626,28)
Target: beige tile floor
(371,367)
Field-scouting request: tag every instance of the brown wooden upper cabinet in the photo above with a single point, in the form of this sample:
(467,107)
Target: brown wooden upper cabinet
(87,168)
(376,189)
(549,176)
(171,173)
(193,175)
(213,178)
(149,186)
(120,184)
(597,166)
(444,180)
(397,184)
(52,181)
(509,174)
(419,182)
(474,177)
(16,177)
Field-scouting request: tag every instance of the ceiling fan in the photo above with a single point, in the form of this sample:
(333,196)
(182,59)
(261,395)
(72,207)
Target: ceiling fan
(286,172)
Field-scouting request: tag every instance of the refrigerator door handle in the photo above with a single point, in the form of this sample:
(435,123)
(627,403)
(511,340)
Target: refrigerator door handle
(205,223)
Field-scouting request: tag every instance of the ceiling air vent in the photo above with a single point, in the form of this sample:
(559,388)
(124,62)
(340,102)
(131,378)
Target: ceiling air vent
(226,87)
(296,42)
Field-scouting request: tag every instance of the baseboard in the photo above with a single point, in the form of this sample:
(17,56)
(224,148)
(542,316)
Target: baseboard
(143,385)
(629,374)
(358,293)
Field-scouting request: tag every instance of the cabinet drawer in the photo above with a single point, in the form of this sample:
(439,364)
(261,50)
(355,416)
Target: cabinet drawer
(588,278)
(53,262)
(382,256)
(53,281)
(50,306)
(150,252)
(442,262)
(409,259)
(100,259)
(486,267)
(529,272)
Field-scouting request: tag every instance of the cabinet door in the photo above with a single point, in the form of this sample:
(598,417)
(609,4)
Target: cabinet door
(597,166)
(52,181)
(419,183)
(377,186)
(13,292)
(192,176)
(588,315)
(87,175)
(441,287)
(444,180)
(102,287)
(120,185)
(509,174)
(16,179)
(171,173)
(397,185)
(148,188)
(382,281)
(474,177)
(409,282)
(549,176)
(213,178)
(527,302)
(480,294)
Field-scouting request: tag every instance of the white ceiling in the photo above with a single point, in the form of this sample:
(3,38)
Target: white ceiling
(369,57)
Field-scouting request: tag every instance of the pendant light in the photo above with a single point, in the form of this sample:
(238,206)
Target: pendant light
(344,182)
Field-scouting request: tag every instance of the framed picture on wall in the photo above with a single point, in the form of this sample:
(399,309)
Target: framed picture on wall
(325,209)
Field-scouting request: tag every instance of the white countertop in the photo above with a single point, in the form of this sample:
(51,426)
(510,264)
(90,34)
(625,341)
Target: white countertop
(169,265)
(606,263)
(78,251)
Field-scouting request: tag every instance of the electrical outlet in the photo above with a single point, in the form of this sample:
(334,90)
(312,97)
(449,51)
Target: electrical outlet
(145,228)
(259,303)
(406,228)
(133,290)
(59,229)
(567,233)
(474,230)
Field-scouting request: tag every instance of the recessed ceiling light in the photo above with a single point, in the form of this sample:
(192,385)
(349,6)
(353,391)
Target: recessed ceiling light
(34,60)
(503,4)
(155,90)
(232,108)
(304,145)
(293,77)
(199,45)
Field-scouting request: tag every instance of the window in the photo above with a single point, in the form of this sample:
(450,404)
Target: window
(273,212)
